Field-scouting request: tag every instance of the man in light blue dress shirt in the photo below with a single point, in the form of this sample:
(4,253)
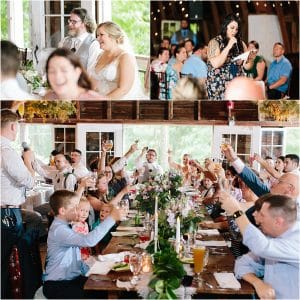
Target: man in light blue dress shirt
(274,248)
(64,270)
(195,64)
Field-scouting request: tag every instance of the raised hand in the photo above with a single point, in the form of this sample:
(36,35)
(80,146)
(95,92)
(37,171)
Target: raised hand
(231,42)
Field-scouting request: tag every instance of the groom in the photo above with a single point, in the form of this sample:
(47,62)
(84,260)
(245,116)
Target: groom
(80,38)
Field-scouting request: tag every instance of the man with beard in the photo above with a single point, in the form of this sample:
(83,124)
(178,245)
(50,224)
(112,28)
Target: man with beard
(80,38)
(184,34)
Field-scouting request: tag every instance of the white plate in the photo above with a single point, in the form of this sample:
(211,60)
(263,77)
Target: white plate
(123,233)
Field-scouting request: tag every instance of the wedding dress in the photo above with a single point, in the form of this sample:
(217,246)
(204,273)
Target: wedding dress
(107,80)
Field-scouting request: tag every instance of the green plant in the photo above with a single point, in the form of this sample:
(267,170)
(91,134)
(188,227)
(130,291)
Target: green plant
(61,110)
(168,273)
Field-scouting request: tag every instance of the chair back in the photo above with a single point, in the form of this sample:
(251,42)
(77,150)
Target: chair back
(159,85)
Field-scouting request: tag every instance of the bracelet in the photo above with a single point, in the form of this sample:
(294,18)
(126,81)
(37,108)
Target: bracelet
(237,214)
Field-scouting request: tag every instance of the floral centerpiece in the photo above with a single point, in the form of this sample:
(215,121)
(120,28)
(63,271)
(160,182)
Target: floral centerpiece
(33,78)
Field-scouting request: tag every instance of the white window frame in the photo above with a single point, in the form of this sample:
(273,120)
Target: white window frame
(273,129)
(83,128)
(63,126)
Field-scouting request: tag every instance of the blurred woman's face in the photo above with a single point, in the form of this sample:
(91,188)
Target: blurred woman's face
(62,76)
(252,48)
(232,29)
(108,173)
(105,41)
(164,57)
(102,185)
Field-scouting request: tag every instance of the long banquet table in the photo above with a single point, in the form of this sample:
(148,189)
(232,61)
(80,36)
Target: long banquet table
(220,260)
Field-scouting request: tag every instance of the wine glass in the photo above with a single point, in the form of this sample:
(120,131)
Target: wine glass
(109,144)
(135,263)
(206,258)
(199,254)
(124,203)
(94,176)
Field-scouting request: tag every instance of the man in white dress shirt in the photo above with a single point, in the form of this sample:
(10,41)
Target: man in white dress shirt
(80,38)
(79,169)
(149,168)
(10,63)
(15,179)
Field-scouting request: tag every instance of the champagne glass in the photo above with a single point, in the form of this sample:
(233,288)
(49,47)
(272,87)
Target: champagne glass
(94,176)
(124,203)
(199,254)
(109,144)
(135,263)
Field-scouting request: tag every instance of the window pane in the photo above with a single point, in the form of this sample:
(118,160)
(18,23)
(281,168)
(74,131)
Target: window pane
(59,134)
(53,31)
(60,147)
(52,7)
(70,135)
(277,138)
(92,158)
(266,151)
(266,138)
(92,141)
(69,5)
(277,151)
(69,148)
(243,144)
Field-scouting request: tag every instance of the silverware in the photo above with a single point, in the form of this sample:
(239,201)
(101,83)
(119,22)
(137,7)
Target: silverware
(209,285)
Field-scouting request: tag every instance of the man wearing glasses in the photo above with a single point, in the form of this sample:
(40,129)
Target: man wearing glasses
(80,38)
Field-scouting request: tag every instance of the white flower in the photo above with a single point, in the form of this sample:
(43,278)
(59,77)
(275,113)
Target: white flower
(171,218)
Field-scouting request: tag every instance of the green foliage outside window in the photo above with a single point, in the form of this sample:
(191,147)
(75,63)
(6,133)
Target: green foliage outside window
(134,18)
(4,20)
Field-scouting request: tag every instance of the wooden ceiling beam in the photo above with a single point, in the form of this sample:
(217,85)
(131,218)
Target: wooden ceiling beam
(216,17)
(282,23)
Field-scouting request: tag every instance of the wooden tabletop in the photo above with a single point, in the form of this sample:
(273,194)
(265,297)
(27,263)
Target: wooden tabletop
(220,260)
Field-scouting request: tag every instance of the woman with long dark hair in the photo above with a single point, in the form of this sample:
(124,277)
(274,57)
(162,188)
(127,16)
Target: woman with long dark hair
(67,78)
(221,51)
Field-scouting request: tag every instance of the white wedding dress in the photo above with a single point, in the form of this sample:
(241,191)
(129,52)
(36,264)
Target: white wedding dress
(107,80)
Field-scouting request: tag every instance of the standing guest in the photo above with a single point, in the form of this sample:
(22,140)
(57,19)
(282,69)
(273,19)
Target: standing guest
(10,63)
(64,276)
(79,169)
(150,168)
(279,74)
(15,179)
(115,72)
(195,65)
(274,246)
(221,51)
(67,77)
(291,164)
(258,70)
(80,38)
(184,168)
(183,34)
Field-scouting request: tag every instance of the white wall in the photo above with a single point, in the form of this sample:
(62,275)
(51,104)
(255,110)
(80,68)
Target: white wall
(264,29)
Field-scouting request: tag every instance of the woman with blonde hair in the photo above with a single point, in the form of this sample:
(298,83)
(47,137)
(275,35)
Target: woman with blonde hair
(115,72)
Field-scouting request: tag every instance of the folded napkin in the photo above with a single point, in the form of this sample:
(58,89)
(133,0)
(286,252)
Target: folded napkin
(124,284)
(123,233)
(143,245)
(100,267)
(113,257)
(211,243)
(208,232)
(227,281)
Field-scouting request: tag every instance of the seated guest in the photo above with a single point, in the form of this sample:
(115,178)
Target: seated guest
(64,275)
(165,42)
(150,167)
(79,169)
(279,74)
(173,72)
(272,266)
(195,66)
(81,226)
(258,71)
(67,78)
(291,164)
(160,64)
(189,47)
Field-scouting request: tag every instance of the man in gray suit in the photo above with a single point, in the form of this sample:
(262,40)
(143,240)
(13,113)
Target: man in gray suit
(80,38)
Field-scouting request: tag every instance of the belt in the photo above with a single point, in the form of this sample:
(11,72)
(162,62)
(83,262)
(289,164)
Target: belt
(10,206)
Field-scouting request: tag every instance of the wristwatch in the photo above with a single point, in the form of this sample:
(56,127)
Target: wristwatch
(237,214)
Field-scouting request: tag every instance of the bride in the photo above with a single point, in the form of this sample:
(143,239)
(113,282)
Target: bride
(115,71)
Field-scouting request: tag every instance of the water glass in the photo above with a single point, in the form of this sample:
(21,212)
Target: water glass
(94,176)
(135,263)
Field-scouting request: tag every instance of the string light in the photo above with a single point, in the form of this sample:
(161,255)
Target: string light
(180,2)
(237,6)
(183,9)
(164,7)
(274,5)
(257,3)
(151,12)
(158,10)
(280,3)
(156,33)
(265,5)
(186,15)
(154,18)
(170,3)
(237,14)
(289,2)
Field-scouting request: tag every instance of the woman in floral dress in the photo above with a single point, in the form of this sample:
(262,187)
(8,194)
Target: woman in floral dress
(221,51)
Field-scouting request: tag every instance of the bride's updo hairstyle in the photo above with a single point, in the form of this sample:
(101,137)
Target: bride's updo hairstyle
(113,30)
